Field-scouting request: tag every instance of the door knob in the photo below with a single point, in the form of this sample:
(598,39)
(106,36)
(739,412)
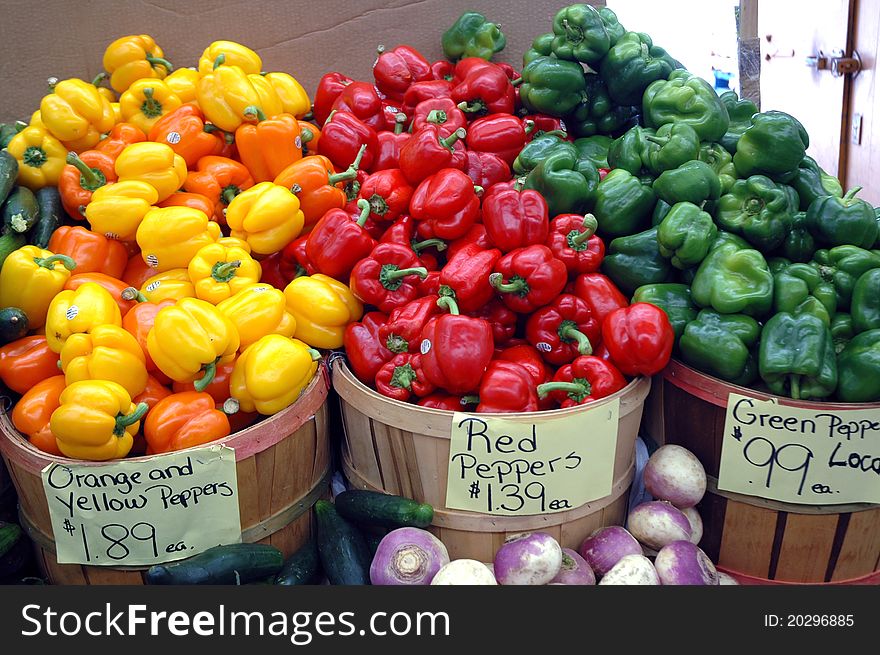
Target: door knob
(846,65)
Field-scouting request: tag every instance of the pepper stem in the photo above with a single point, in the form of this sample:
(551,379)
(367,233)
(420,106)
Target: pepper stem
(572,388)
(100,77)
(124,420)
(159,61)
(515,286)
(421,271)
(439,244)
(225,271)
(219,61)
(529,125)
(365,208)
(230,406)
(515,83)
(437,116)
(472,399)
(210,371)
(396,344)
(590,226)
(471,108)
(307,135)
(130,293)
(519,184)
(449,303)
(90,178)
(314,354)
(49,262)
(659,140)
(795,384)
(570,333)
(351,172)
(399,120)
(229,194)
(252,111)
(449,141)
(851,193)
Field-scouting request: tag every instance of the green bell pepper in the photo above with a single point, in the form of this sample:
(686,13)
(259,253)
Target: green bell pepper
(722,345)
(842,331)
(580,34)
(626,151)
(472,35)
(686,235)
(859,369)
(596,113)
(674,299)
(661,209)
(685,98)
(623,204)
(693,182)
(9,130)
(799,288)
(542,46)
(568,184)
(773,145)
(552,86)
(865,307)
(796,356)
(634,261)
(757,209)
(843,266)
(791,198)
(734,280)
(631,65)
(671,146)
(721,162)
(799,244)
(740,112)
(595,149)
(536,150)
(612,24)
(842,221)
(812,182)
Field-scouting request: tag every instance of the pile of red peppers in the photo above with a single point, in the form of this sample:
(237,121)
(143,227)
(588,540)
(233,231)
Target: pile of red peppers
(478,299)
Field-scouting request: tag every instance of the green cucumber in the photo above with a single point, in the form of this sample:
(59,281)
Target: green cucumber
(228,564)
(9,243)
(9,130)
(342,549)
(301,568)
(10,533)
(20,211)
(8,174)
(51,216)
(13,324)
(376,508)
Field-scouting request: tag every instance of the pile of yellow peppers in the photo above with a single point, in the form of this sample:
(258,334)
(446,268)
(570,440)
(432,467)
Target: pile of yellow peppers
(155,324)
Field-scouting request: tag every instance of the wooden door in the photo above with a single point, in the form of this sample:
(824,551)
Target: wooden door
(863,162)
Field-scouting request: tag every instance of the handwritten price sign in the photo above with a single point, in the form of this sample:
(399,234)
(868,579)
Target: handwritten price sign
(800,455)
(513,467)
(140,513)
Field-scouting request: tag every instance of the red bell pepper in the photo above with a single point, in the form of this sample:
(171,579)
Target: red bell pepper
(403,231)
(507,387)
(574,242)
(430,285)
(447,401)
(446,203)
(400,380)
(502,320)
(390,142)
(486,169)
(397,69)
(337,242)
(603,172)
(639,338)
(419,91)
(361,99)
(443,112)
(343,136)
(600,293)
(388,194)
(427,152)
(455,349)
(584,380)
(527,356)
(386,278)
(466,277)
(563,330)
(544,124)
(501,134)
(295,260)
(443,69)
(514,218)
(329,87)
(482,88)
(402,332)
(534,277)
(366,353)
(475,235)
(602,353)
(272,271)
(352,188)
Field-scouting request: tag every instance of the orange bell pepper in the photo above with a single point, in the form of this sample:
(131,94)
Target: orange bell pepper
(151,395)
(81,176)
(269,146)
(219,179)
(183,420)
(187,199)
(26,362)
(184,129)
(137,271)
(138,321)
(311,135)
(121,136)
(34,410)
(112,285)
(218,388)
(318,186)
(92,252)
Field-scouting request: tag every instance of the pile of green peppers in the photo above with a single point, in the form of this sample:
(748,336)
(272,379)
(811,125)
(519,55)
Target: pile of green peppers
(712,210)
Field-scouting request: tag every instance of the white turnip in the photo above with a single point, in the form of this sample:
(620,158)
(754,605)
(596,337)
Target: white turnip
(726,579)
(696,521)
(408,556)
(532,558)
(604,548)
(631,570)
(574,570)
(657,523)
(675,474)
(683,563)
(464,572)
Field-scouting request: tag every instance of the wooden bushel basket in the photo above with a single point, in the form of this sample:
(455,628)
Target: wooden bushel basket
(760,541)
(403,449)
(282,467)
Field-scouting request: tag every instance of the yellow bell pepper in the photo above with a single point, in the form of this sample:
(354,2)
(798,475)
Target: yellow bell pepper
(227,97)
(235,242)
(116,210)
(183,82)
(271,373)
(218,272)
(190,339)
(258,310)
(117,111)
(37,121)
(269,103)
(76,114)
(103,90)
(322,307)
(96,421)
(267,216)
(77,311)
(294,99)
(170,285)
(30,278)
(134,57)
(230,53)
(154,163)
(41,157)
(169,237)
(146,101)
(106,353)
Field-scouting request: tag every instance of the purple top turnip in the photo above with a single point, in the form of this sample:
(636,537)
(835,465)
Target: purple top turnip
(528,559)
(657,523)
(408,556)
(574,570)
(675,474)
(604,548)
(683,563)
